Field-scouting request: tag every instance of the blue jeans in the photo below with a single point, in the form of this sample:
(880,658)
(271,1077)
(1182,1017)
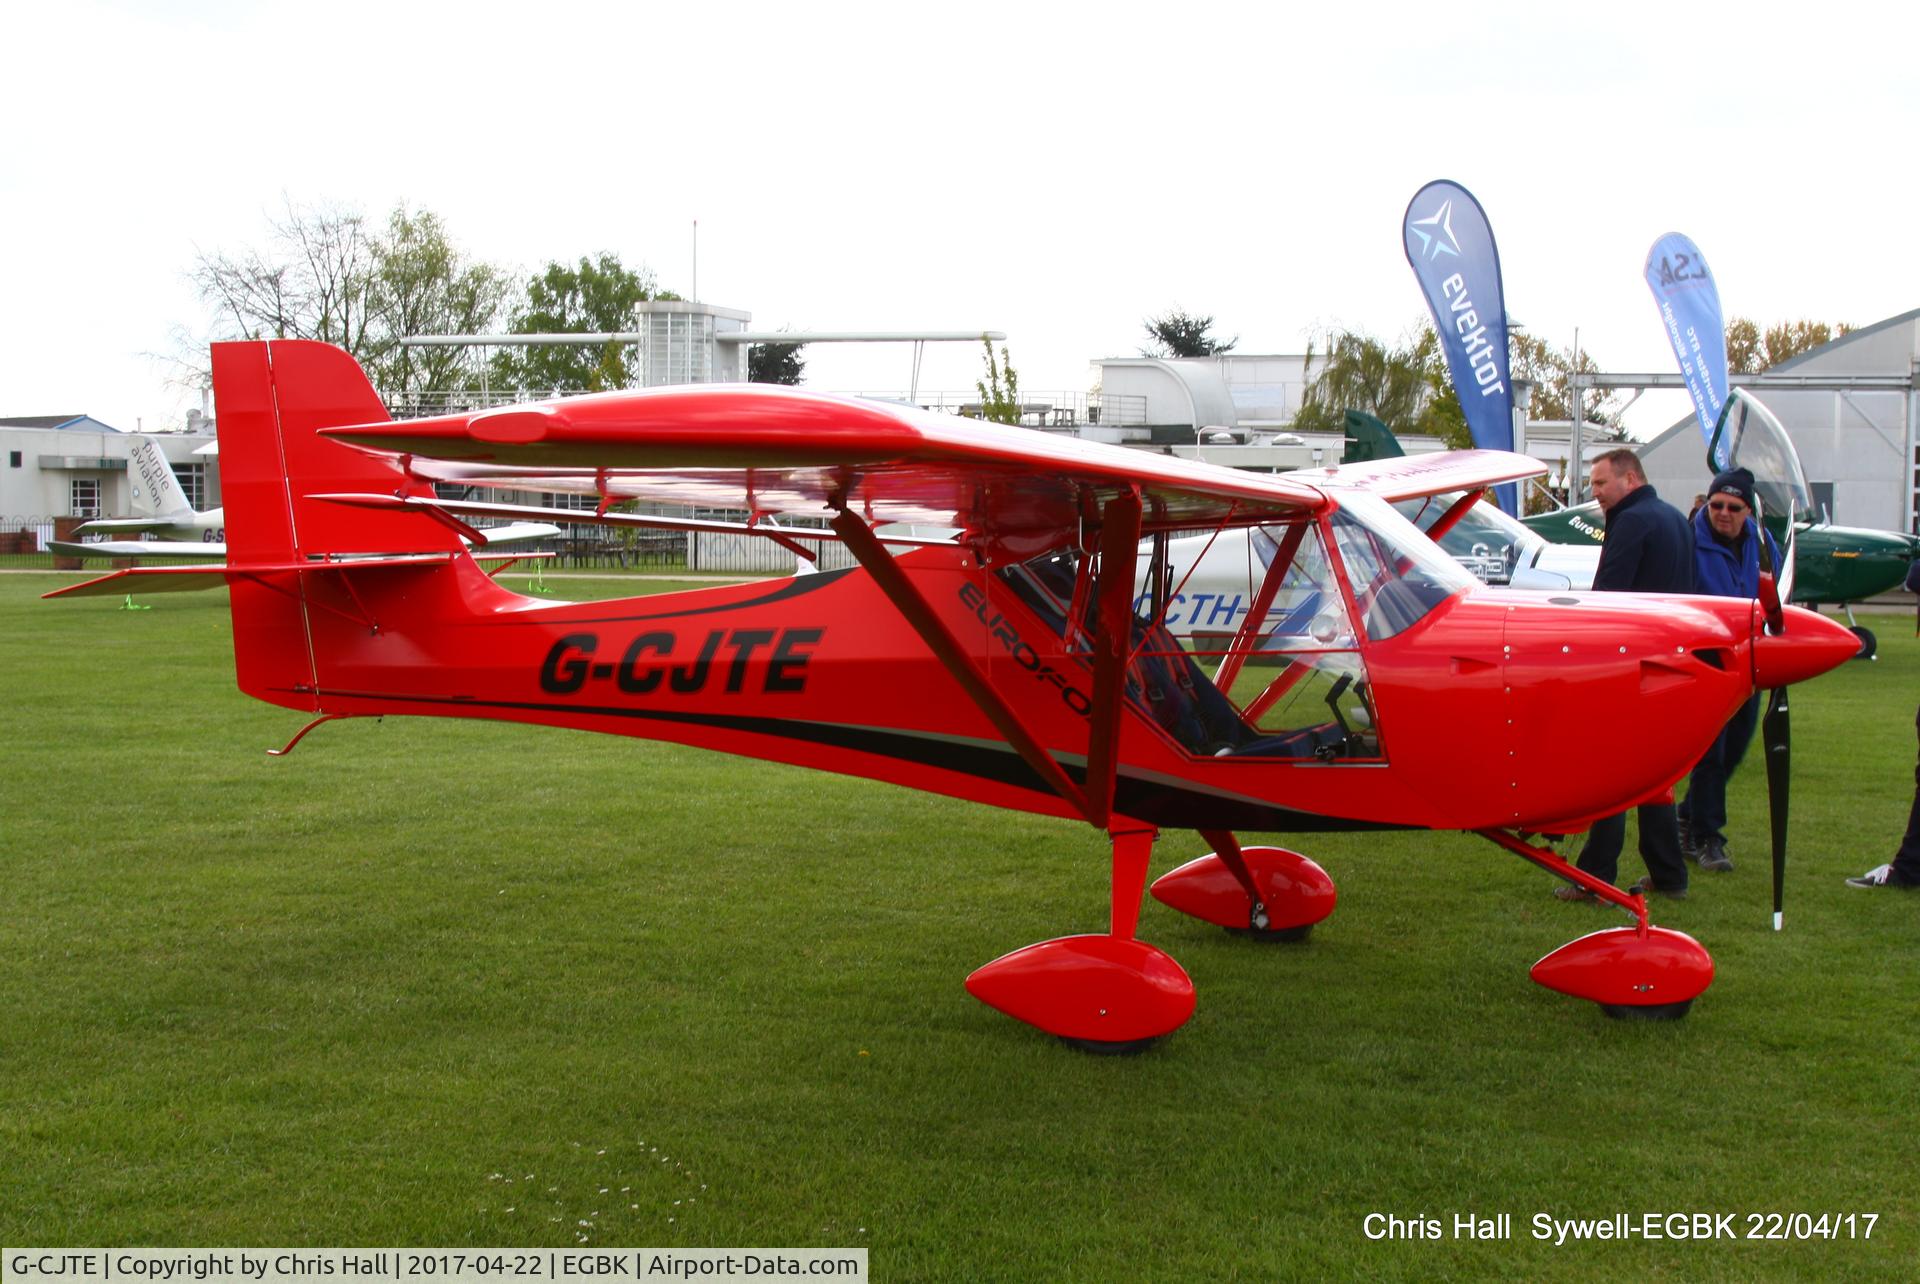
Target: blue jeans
(1705,806)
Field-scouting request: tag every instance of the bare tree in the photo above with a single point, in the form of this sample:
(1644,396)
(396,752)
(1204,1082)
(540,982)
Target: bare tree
(313,282)
(324,274)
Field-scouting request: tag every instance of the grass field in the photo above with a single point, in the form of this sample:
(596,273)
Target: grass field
(440,983)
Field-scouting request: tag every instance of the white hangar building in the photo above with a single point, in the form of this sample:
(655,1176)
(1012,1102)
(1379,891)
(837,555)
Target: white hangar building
(1853,413)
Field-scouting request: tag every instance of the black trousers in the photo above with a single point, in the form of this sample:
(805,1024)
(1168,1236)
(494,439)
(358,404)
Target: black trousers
(1705,806)
(1659,847)
(1906,862)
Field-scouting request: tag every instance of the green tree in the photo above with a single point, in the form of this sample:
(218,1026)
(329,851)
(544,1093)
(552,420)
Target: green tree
(324,275)
(423,284)
(1406,387)
(1000,390)
(1550,369)
(1179,334)
(775,363)
(595,296)
(1751,350)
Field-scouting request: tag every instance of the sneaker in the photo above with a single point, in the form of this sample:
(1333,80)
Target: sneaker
(1645,887)
(1712,855)
(1573,892)
(1878,876)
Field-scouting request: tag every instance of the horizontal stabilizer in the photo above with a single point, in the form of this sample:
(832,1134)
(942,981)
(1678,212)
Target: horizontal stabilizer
(188,579)
(157,579)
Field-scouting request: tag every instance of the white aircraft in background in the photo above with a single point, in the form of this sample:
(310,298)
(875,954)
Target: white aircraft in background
(181,530)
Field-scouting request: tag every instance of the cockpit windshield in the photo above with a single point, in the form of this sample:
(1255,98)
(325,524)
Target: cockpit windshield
(1750,436)
(1397,574)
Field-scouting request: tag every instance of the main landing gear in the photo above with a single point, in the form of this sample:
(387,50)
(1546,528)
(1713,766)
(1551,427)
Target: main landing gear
(1115,994)
(1639,973)
(1263,893)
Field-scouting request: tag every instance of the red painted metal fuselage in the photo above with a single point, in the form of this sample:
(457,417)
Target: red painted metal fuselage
(1474,703)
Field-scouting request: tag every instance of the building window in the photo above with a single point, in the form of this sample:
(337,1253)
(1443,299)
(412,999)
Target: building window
(193,480)
(13,459)
(83,494)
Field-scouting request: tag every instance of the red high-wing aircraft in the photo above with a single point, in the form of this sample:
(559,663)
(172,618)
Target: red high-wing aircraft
(1374,684)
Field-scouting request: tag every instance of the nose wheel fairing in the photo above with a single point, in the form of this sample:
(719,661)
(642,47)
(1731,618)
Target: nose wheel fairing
(1639,972)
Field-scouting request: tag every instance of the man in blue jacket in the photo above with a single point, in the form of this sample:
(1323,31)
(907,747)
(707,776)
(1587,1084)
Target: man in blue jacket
(1648,549)
(1727,547)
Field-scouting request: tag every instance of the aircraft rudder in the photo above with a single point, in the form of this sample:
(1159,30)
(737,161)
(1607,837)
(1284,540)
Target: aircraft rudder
(253,477)
(271,398)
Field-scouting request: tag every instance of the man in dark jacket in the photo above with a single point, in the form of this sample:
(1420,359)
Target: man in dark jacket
(1648,549)
(1727,547)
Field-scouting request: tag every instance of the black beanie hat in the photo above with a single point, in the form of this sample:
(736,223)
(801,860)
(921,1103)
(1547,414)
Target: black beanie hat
(1735,481)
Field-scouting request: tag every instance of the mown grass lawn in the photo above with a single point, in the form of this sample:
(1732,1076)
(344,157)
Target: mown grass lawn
(442,982)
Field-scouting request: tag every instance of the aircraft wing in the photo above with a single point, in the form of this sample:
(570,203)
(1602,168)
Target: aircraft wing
(503,534)
(784,451)
(1416,476)
(121,525)
(138,548)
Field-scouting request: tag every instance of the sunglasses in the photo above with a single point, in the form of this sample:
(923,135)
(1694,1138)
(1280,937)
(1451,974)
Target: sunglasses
(1730,506)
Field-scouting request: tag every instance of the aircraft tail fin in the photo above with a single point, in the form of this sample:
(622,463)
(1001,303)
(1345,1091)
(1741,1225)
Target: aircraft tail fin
(271,397)
(156,491)
(1368,439)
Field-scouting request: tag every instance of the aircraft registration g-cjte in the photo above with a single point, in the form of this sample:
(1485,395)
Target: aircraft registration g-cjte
(1374,684)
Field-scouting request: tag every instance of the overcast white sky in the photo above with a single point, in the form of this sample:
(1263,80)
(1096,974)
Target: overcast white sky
(1059,172)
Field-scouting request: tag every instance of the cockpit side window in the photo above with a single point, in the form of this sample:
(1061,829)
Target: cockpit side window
(1302,682)
(1293,688)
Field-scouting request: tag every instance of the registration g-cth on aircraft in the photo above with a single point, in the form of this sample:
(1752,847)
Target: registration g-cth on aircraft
(1373,683)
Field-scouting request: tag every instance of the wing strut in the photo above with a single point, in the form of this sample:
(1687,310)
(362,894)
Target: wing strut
(1254,627)
(1119,555)
(1452,516)
(873,556)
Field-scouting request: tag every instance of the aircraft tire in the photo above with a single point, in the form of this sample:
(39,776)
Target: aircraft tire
(1111,1048)
(1648,1012)
(1869,644)
(1273,935)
